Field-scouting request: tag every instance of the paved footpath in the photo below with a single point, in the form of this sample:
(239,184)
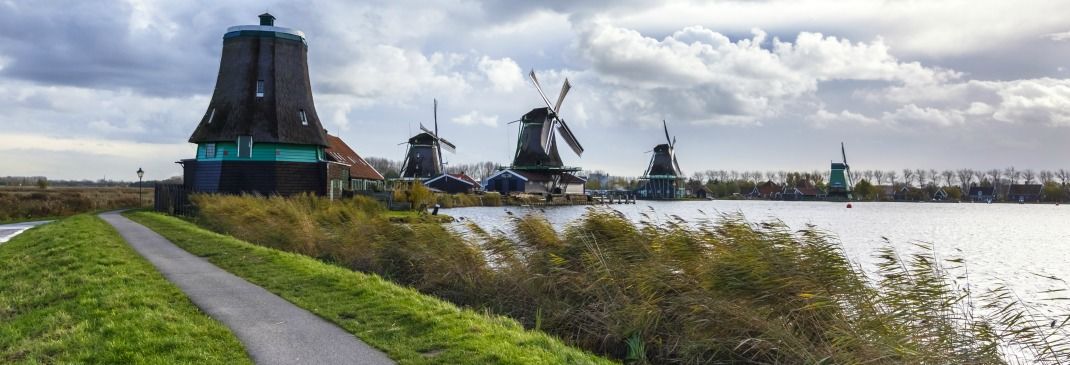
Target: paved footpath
(273,330)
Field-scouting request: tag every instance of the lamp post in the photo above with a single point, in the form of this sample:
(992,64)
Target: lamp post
(140,174)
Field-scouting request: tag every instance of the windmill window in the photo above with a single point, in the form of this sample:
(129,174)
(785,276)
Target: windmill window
(211,115)
(304,118)
(245,146)
(209,150)
(259,88)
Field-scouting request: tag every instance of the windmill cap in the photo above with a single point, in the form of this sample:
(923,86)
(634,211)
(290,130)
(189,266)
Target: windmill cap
(266,28)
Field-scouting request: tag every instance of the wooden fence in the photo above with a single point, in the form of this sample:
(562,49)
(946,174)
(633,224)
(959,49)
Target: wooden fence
(173,199)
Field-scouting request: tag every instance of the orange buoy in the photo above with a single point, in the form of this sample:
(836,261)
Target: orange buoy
(848,205)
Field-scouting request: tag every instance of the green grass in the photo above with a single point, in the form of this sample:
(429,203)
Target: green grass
(410,327)
(74,292)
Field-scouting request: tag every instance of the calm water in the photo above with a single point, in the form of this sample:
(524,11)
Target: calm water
(1009,242)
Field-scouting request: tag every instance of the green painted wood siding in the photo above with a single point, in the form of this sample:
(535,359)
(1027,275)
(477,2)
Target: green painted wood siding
(263,152)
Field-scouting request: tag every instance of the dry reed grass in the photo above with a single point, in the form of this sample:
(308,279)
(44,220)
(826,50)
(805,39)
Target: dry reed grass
(718,291)
(30,203)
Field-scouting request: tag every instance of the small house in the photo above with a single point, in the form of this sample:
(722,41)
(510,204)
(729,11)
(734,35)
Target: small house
(1024,193)
(766,190)
(885,192)
(700,192)
(909,194)
(804,192)
(355,173)
(981,193)
(940,195)
(509,181)
(452,183)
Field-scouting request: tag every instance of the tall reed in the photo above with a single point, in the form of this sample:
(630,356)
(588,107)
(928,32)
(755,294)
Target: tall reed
(716,291)
(31,203)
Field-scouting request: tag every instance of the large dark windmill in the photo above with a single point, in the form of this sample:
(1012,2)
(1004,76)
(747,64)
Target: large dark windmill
(841,183)
(663,176)
(536,144)
(260,132)
(537,167)
(423,157)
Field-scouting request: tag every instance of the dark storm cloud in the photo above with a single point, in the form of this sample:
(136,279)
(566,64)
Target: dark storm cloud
(101,45)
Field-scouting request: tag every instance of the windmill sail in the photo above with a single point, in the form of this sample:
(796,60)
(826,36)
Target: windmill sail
(539,128)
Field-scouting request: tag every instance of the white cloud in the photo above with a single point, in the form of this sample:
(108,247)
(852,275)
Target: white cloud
(1039,101)
(920,115)
(829,58)
(1044,101)
(941,28)
(475,118)
(701,75)
(503,73)
(393,75)
(823,118)
(1058,37)
(93,146)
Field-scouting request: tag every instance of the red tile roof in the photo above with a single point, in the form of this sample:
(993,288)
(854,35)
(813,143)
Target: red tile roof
(339,151)
(465,177)
(768,188)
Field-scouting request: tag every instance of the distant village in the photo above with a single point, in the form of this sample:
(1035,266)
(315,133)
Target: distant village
(907,185)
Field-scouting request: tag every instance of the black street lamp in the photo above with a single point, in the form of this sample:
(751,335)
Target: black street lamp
(140,174)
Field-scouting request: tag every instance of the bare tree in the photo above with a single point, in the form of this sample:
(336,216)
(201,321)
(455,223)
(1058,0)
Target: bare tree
(965,178)
(819,177)
(710,175)
(923,176)
(947,175)
(1064,176)
(891,176)
(1029,175)
(879,175)
(1046,176)
(908,176)
(1011,174)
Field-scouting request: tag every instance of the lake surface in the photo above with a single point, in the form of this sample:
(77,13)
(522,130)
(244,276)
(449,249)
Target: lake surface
(1009,243)
(7,231)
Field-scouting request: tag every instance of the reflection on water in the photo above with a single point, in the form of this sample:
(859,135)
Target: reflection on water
(1011,242)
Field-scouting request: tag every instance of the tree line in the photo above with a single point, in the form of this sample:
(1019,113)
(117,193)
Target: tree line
(724,183)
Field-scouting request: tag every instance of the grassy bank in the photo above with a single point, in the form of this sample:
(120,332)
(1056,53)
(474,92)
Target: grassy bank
(722,290)
(410,327)
(25,204)
(74,292)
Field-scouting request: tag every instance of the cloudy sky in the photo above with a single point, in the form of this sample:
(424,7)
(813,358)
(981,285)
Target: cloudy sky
(98,89)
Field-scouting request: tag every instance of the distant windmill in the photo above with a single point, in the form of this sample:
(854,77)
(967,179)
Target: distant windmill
(537,168)
(841,183)
(423,157)
(663,172)
(536,143)
(663,162)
